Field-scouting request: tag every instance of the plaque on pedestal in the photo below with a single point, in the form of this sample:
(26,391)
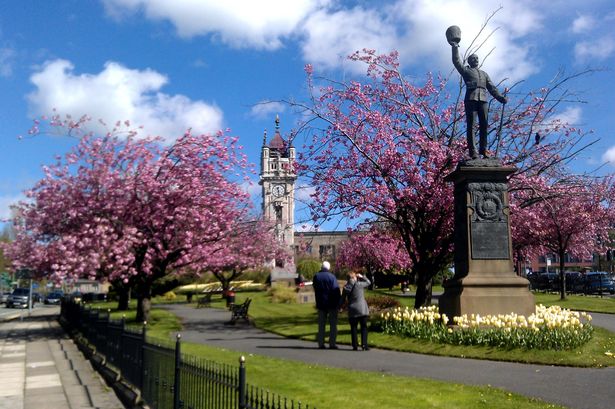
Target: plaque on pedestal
(484,281)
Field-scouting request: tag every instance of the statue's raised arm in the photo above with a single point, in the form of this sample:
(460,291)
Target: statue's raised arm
(457,59)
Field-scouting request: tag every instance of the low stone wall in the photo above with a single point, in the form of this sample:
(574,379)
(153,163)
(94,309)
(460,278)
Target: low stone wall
(305,295)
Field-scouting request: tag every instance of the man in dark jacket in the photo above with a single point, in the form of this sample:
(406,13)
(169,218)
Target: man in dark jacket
(327,292)
(478,84)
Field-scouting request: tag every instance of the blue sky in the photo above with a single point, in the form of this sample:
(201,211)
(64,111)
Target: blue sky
(170,65)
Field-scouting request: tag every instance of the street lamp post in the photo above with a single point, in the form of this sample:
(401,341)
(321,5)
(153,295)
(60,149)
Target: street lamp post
(30,299)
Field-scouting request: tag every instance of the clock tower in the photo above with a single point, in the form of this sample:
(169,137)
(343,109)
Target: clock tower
(277,179)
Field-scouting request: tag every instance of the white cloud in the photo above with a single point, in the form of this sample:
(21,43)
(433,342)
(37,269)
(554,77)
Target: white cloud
(571,115)
(331,37)
(120,93)
(264,109)
(329,30)
(254,190)
(5,205)
(239,23)
(6,61)
(427,21)
(609,156)
(306,227)
(599,49)
(583,24)
(416,29)
(200,63)
(303,193)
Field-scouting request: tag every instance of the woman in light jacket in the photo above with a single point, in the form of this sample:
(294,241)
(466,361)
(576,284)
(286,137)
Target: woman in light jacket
(358,311)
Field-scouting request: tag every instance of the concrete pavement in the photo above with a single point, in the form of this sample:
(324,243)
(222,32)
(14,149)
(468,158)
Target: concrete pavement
(40,367)
(581,388)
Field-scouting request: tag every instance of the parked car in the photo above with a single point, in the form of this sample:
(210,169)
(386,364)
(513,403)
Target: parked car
(19,298)
(599,281)
(575,282)
(544,281)
(94,297)
(3,297)
(54,297)
(75,297)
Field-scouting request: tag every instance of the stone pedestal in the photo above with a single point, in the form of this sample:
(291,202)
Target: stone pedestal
(284,276)
(484,281)
(305,295)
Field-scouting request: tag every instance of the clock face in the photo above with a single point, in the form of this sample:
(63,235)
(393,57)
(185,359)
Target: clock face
(278,190)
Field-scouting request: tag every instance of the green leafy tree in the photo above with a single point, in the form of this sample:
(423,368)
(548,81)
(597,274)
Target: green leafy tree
(308,267)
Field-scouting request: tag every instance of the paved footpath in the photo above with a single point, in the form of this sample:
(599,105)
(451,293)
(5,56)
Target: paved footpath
(40,367)
(582,388)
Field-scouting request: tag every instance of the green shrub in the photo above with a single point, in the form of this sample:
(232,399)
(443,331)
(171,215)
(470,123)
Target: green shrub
(258,275)
(308,267)
(283,295)
(169,296)
(379,303)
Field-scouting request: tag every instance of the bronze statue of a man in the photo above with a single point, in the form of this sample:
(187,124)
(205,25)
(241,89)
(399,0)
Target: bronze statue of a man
(478,84)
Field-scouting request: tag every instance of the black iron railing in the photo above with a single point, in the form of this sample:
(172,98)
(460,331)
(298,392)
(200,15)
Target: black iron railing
(166,378)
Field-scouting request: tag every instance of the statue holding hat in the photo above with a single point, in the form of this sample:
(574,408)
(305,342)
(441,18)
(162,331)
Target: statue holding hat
(478,84)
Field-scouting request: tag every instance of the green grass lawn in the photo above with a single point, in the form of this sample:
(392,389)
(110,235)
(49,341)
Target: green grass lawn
(161,323)
(299,321)
(332,388)
(589,303)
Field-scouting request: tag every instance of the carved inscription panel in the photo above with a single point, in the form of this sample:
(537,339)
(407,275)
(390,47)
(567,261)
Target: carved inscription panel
(489,222)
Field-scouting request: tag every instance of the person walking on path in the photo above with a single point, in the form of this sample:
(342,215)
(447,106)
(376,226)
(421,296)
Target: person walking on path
(327,293)
(358,310)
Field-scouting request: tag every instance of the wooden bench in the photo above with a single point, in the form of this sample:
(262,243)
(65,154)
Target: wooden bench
(204,301)
(240,311)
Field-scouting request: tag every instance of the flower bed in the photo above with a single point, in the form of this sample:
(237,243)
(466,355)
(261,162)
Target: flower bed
(548,328)
(379,303)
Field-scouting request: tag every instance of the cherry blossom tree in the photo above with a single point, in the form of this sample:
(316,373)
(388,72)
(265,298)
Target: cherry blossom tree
(251,243)
(132,210)
(572,218)
(380,148)
(376,250)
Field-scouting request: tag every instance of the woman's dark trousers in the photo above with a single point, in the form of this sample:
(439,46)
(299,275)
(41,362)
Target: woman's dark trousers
(354,322)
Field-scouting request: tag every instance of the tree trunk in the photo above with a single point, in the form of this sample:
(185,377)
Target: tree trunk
(144,303)
(144,307)
(423,290)
(562,276)
(123,299)
(226,286)
(225,281)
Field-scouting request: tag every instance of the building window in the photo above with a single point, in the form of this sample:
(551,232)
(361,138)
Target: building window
(327,252)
